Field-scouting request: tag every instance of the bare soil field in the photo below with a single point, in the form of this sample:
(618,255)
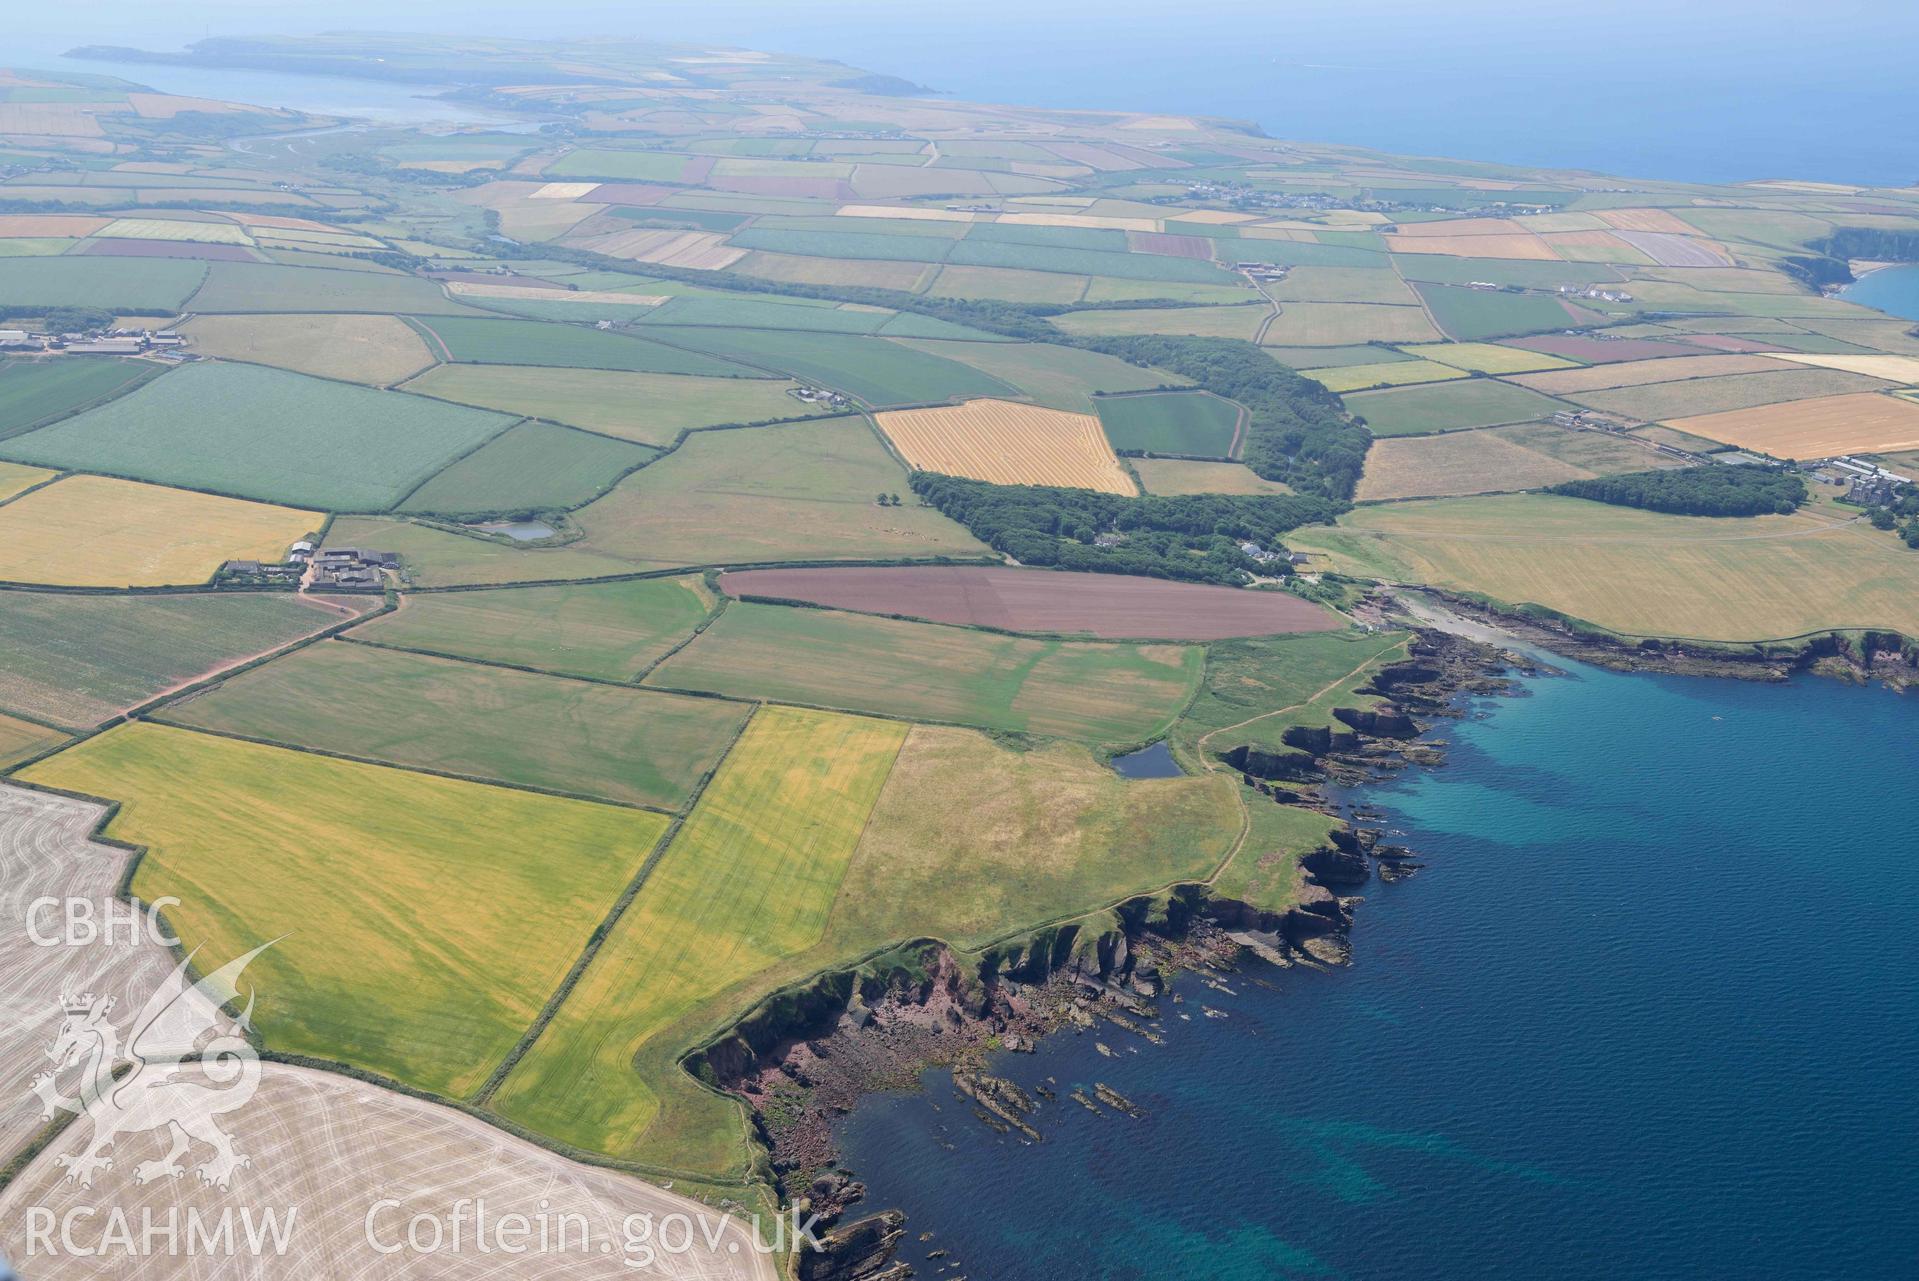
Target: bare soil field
(360,1162)
(1009,444)
(1862,422)
(1522,246)
(1109,606)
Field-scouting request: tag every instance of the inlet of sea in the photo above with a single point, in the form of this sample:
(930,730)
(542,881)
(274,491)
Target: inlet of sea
(1893,290)
(1651,1011)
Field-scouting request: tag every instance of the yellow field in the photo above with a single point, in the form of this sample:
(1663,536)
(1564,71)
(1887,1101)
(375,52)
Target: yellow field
(748,881)
(1458,462)
(91,531)
(1643,573)
(1639,373)
(1486,357)
(57,120)
(423,921)
(1894,369)
(15,477)
(695,250)
(376,350)
(1008,444)
(1861,422)
(1387,373)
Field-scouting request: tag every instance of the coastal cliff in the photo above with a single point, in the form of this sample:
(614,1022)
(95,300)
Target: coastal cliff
(806,1055)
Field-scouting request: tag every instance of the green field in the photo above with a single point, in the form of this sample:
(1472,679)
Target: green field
(845,244)
(624,166)
(1060,377)
(1255,689)
(974,252)
(533,466)
(1195,424)
(1102,693)
(77,660)
(272,287)
(1199,322)
(873,369)
(584,738)
(1440,269)
(1643,573)
(652,409)
(1330,357)
(33,392)
(750,880)
(798,492)
(1447,406)
(972,839)
(261,433)
(420,930)
(534,342)
(20,739)
(612,631)
(439,557)
(1471,314)
(734,311)
(150,286)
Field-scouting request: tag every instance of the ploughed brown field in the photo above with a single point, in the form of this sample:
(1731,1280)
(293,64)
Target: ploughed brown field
(1109,606)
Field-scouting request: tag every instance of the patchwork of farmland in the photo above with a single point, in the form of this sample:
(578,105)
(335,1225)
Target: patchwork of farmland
(265,434)
(1102,693)
(1008,444)
(584,738)
(749,880)
(77,660)
(804,491)
(649,409)
(1449,406)
(1108,606)
(36,392)
(608,631)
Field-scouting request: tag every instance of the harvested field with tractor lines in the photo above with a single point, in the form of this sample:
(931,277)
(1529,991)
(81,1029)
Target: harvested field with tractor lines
(1857,423)
(1106,606)
(1008,444)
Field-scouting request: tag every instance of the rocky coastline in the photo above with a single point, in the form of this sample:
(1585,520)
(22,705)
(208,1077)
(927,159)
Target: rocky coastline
(1855,655)
(806,1057)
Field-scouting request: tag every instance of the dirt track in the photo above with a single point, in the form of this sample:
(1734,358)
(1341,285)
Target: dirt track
(1109,606)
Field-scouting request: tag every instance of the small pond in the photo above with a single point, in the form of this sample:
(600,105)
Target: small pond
(522,531)
(1148,762)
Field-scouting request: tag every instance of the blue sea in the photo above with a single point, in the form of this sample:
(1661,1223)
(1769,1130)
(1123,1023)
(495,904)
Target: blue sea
(1894,290)
(1652,1011)
(1702,91)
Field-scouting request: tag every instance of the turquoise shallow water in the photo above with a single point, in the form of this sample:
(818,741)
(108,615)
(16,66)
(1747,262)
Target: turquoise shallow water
(1652,1011)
